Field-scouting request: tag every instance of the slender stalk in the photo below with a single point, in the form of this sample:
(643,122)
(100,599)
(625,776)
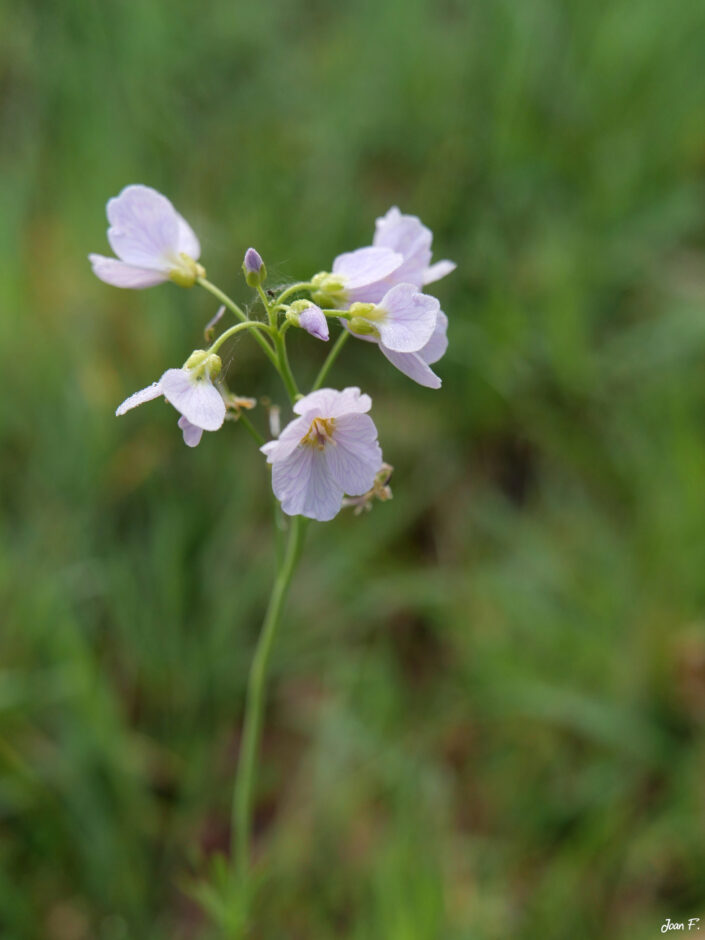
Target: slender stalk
(294,289)
(247,325)
(254,707)
(284,367)
(271,314)
(246,423)
(233,307)
(332,356)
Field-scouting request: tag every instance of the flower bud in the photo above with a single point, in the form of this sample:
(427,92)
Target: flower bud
(253,268)
(309,317)
(201,363)
(328,289)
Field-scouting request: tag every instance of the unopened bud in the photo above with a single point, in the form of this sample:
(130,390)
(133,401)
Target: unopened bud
(310,318)
(253,268)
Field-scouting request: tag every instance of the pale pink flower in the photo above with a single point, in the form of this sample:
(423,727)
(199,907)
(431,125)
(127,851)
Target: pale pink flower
(153,243)
(330,450)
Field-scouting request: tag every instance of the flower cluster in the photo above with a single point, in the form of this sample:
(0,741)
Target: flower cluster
(328,456)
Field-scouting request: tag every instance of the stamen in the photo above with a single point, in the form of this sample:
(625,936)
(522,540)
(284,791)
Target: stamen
(320,433)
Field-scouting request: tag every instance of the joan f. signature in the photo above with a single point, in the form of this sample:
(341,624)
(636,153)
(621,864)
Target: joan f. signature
(693,924)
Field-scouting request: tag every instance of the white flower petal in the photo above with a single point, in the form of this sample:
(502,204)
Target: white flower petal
(355,457)
(192,434)
(197,399)
(410,318)
(144,228)
(438,270)
(139,398)
(120,274)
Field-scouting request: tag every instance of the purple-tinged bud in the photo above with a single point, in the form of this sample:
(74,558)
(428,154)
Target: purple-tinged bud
(310,318)
(314,322)
(253,268)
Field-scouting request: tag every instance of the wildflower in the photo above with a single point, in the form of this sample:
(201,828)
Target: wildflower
(191,391)
(253,268)
(408,236)
(151,240)
(310,318)
(331,449)
(403,321)
(360,275)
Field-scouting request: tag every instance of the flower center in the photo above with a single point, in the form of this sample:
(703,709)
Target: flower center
(320,433)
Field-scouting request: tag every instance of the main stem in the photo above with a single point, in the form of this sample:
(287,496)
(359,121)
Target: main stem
(254,707)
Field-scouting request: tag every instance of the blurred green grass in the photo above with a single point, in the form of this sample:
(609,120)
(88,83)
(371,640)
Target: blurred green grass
(488,697)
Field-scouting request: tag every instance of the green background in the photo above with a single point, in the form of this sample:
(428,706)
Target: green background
(486,714)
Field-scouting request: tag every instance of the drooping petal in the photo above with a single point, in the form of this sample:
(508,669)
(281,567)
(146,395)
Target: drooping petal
(410,318)
(364,272)
(144,228)
(139,398)
(119,274)
(413,365)
(331,403)
(305,487)
(438,270)
(313,320)
(197,399)
(192,434)
(355,456)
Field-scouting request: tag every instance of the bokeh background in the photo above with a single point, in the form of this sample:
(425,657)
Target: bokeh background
(488,695)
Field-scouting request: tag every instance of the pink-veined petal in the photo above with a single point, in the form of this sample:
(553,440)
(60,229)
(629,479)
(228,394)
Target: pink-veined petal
(305,487)
(354,457)
(410,318)
(139,398)
(119,274)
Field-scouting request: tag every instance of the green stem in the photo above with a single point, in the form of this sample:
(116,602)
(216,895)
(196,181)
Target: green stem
(294,289)
(284,367)
(332,356)
(246,423)
(247,325)
(242,797)
(271,314)
(233,307)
